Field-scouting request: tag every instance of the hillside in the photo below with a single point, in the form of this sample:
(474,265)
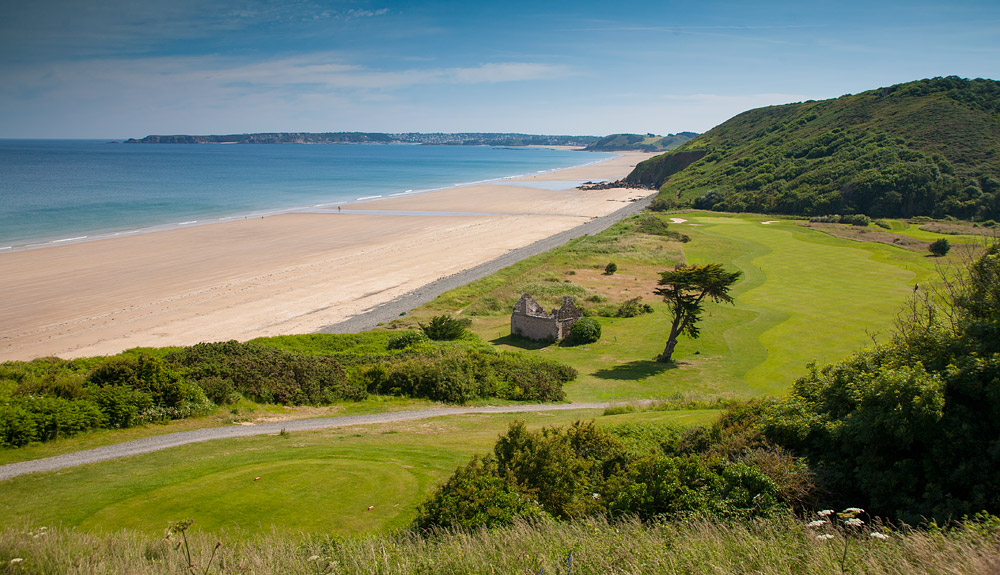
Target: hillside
(460,139)
(639,142)
(929,147)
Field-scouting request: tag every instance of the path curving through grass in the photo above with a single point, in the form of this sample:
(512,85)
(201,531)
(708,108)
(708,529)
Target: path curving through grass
(158,442)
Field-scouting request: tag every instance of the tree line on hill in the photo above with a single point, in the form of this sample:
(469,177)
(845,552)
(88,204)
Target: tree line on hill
(924,148)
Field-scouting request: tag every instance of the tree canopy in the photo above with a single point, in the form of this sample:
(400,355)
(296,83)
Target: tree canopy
(684,290)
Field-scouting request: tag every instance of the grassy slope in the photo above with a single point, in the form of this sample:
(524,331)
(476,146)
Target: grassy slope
(805,296)
(321,482)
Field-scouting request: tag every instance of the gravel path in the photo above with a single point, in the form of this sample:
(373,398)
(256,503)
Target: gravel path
(380,314)
(403,304)
(169,440)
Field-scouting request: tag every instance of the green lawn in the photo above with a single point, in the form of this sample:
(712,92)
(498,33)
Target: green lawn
(805,296)
(317,482)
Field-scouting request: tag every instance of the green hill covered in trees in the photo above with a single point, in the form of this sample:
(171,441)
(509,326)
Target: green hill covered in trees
(924,148)
(640,142)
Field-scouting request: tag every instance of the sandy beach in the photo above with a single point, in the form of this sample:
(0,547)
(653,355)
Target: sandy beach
(290,273)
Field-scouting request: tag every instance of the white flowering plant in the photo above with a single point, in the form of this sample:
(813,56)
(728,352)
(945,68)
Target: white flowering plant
(846,525)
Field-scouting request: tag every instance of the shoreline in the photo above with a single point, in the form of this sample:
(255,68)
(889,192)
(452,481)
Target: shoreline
(289,273)
(212,219)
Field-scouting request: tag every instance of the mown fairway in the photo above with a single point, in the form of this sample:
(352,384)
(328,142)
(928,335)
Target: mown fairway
(318,482)
(805,296)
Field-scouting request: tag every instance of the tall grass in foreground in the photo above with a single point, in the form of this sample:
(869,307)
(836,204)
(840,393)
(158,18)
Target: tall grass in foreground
(781,545)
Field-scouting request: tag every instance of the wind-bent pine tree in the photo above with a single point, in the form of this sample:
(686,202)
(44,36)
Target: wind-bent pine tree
(684,290)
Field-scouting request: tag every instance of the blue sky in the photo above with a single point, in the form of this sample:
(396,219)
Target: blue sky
(119,68)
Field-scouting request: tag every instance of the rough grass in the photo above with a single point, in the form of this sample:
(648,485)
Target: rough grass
(779,545)
(314,482)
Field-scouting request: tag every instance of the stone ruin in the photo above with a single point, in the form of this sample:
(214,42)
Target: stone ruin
(530,320)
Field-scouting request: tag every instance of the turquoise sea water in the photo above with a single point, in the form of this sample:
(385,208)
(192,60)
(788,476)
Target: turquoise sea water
(64,190)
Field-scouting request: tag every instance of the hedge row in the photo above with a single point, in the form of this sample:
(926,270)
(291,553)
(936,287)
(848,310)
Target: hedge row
(50,397)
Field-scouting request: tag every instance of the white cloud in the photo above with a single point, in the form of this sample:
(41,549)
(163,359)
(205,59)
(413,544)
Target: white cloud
(315,72)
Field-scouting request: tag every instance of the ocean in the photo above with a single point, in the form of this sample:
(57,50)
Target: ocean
(56,191)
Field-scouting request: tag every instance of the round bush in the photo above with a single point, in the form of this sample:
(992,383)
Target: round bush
(587,330)
(405,339)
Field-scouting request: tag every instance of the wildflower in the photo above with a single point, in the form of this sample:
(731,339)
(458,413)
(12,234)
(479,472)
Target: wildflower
(854,510)
(596,496)
(825,513)
(877,535)
(854,522)
(817,523)
(313,558)
(824,537)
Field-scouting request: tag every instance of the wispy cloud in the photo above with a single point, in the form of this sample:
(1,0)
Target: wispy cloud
(326,72)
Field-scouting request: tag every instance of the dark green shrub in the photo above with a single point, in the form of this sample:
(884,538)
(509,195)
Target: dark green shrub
(679,486)
(856,220)
(143,372)
(269,375)
(169,395)
(405,339)
(121,405)
(455,374)
(610,269)
(55,417)
(447,379)
(475,496)
(218,390)
(584,470)
(939,247)
(445,328)
(586,330)
(662,204)
(829,219)
(633,308)
(522,377)
(17,426)
(560,468)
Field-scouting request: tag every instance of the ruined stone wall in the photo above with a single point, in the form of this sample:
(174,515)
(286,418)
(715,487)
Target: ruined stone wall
(538,328)
(530,320)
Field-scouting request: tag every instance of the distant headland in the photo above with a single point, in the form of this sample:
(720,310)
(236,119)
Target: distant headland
(458,139)
(614,142)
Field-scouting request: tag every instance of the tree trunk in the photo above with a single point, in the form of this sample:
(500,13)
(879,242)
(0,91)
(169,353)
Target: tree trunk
(675,330)
(668,351)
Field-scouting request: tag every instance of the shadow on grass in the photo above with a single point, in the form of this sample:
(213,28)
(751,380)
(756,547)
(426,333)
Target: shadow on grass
(634,370)
(520,342)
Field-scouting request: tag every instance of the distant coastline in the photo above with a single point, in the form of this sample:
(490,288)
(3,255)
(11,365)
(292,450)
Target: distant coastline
(437,139)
